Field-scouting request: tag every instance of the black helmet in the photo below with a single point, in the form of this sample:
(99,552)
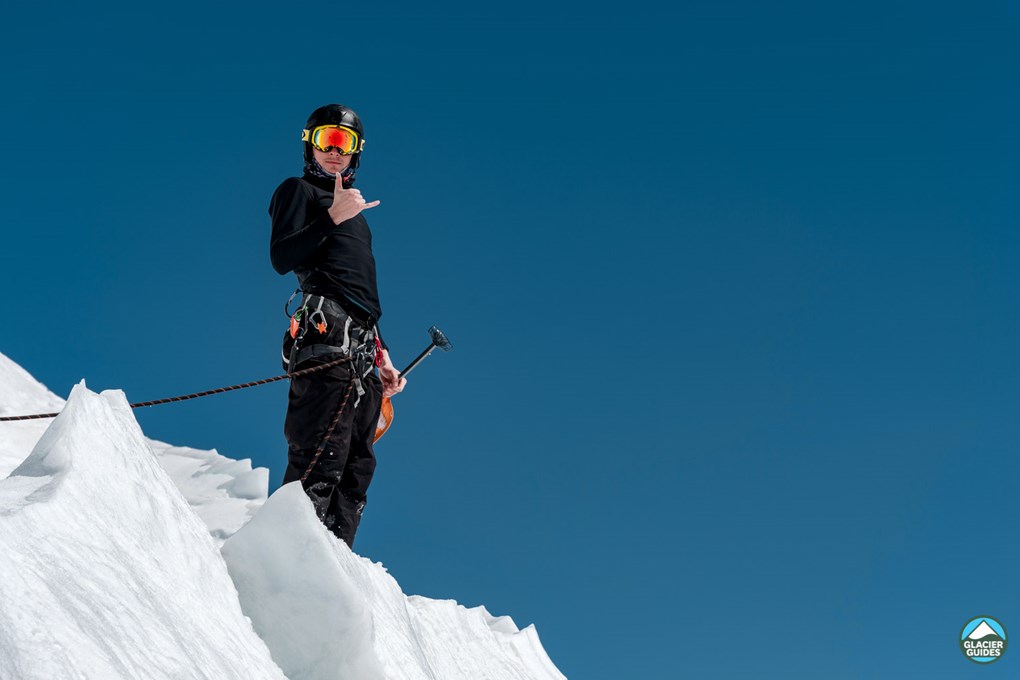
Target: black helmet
(336,114)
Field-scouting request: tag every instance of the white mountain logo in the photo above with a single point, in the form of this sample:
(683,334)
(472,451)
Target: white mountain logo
(982,630)
(983,644)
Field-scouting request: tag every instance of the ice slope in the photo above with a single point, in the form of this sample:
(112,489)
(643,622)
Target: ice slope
(326,613)
(105,571)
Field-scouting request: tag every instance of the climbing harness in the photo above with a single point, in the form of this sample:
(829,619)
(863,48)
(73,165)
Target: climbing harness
(310,337)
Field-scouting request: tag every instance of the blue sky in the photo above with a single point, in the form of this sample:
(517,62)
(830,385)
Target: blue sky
(731,287)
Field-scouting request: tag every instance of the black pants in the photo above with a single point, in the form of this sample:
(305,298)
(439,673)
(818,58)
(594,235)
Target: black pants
(338,484)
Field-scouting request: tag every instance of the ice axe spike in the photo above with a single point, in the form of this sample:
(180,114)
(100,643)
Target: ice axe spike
(438,340)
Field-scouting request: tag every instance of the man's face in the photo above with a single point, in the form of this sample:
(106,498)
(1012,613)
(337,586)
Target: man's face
(331,161)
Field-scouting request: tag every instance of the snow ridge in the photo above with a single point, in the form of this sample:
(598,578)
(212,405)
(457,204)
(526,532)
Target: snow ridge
(305,590)
(128,558)
(106,572)
(21,394)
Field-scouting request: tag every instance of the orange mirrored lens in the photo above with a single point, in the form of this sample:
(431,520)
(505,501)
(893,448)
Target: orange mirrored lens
(326,138)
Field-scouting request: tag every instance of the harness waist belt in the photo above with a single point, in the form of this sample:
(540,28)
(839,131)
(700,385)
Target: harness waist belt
(342,308)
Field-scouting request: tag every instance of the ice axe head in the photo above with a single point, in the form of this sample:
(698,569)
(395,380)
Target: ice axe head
(439,339)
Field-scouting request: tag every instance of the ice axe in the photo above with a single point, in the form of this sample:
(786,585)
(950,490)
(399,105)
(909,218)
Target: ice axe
(439,340)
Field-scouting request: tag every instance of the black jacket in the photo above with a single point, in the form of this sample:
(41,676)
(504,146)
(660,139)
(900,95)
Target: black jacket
(334,260)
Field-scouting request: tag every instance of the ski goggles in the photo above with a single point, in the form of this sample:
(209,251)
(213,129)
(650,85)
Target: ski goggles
(328,137)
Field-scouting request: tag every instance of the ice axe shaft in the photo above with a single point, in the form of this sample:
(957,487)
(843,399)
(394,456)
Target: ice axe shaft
(421,357)
(438,340)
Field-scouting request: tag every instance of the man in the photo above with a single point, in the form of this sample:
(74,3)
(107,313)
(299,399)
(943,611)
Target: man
(320,233)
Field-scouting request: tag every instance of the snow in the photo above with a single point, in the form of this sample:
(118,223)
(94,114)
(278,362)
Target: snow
(106,571)
(296,594)
(225,493)
(305,590)
(125,557)
(21,394)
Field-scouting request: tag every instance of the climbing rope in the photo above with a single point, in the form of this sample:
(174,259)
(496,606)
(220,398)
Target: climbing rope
(329,432)
(196,395)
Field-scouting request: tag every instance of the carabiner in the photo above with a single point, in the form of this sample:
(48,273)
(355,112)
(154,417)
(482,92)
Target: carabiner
(319,325)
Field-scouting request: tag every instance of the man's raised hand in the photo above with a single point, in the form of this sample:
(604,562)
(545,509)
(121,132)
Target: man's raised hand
(347,202)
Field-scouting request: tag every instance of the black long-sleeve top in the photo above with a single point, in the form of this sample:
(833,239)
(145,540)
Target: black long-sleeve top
(334,260)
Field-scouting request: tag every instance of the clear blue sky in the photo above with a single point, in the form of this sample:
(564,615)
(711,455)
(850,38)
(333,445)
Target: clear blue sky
(732,288)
